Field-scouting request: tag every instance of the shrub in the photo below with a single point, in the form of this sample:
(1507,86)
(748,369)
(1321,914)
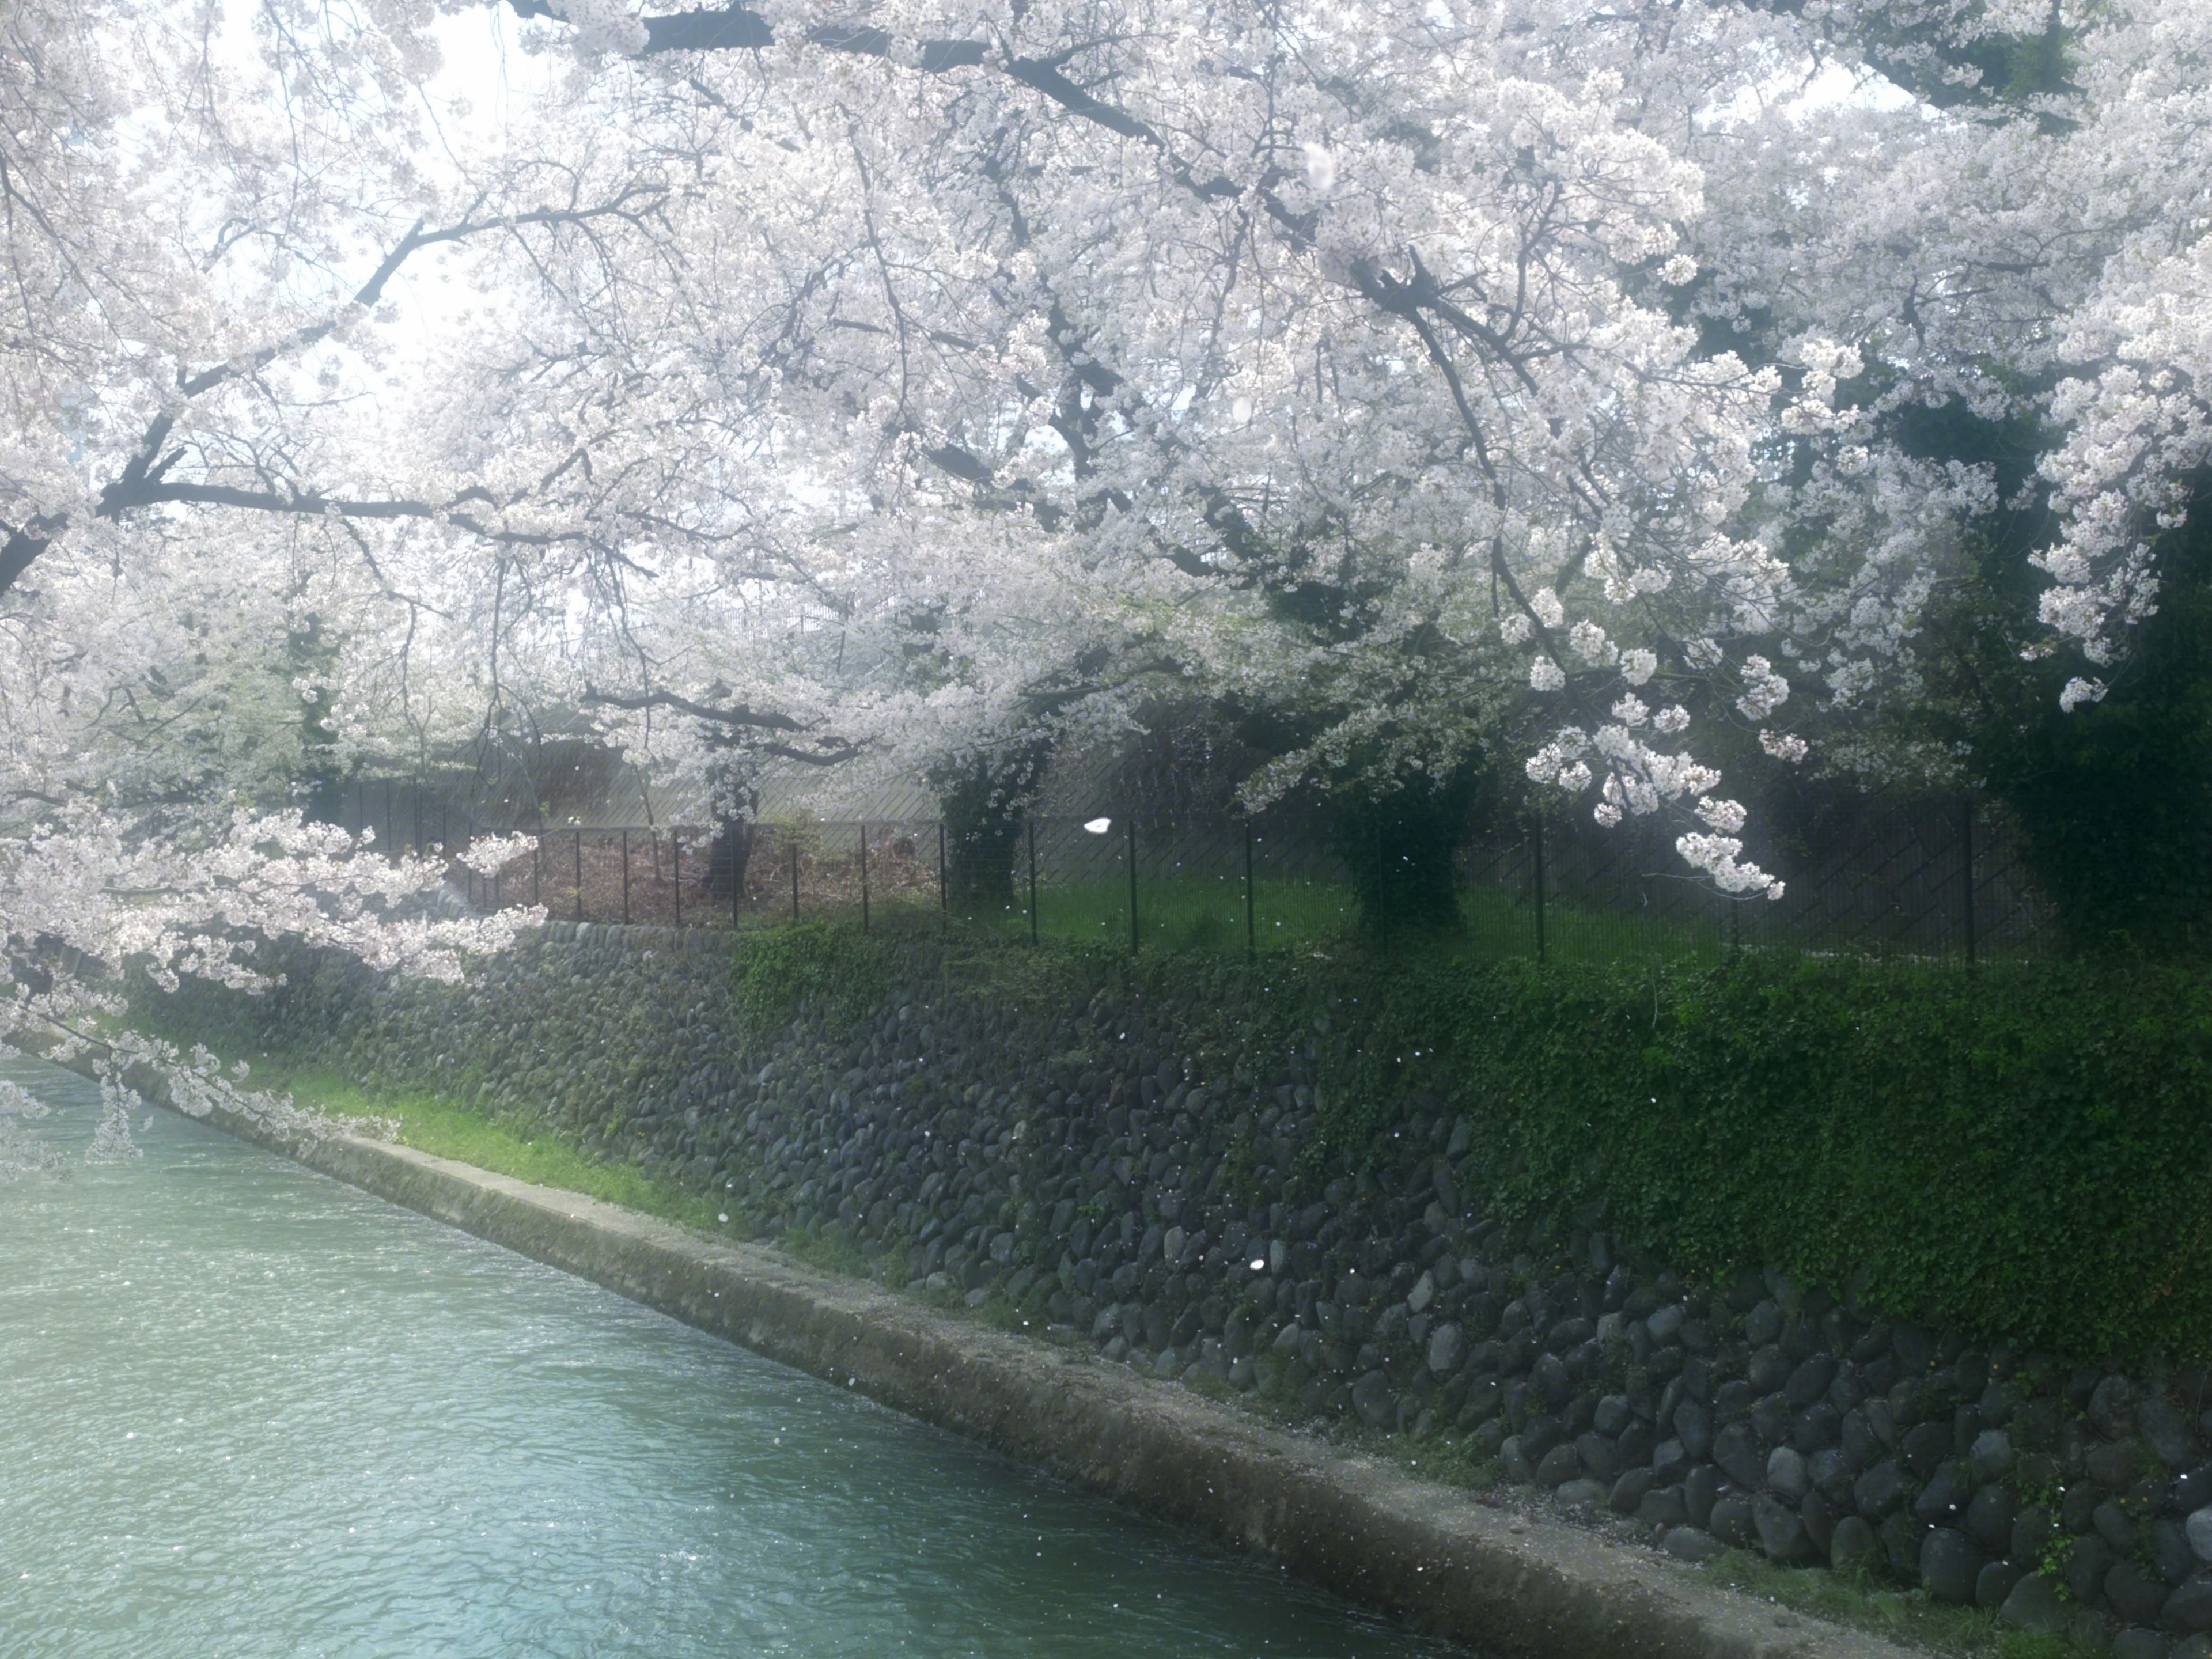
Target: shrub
(2023,1152)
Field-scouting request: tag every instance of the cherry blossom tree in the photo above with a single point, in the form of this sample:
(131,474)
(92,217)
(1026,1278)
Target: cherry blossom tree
(199,220)
(1248,347)
(1591,352)
(1620,397)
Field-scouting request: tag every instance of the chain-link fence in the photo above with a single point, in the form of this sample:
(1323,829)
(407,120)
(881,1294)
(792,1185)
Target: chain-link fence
(1930,879)
(1924,878)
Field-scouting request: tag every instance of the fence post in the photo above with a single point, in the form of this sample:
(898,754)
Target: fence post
(944,904)
(1251,931)
(1030,823)
(863,875)
(794,877)
(737,895)
(1382,885)
(1650,954)
(537,861)
(1536,845)
(676,869)
(390,824)
(1130,824)
(1966,848)
(418,817)
(579,875)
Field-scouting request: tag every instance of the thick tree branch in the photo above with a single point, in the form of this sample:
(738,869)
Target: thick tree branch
(143,481)
(24,545)
(831,752)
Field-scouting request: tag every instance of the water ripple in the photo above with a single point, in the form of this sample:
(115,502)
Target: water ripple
(250,1412)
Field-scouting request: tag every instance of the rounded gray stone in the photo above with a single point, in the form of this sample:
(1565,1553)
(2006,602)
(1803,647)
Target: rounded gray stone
(1925,1445)
(2086,1563)
(1539,1437)
(2035,1603)
(2192,1490)
(1612,1414)
(1880,1489)
(1630,1491)
(1560,1465)
(1735,1449)
(1693,1544)
(1994,1583)
(2189,1609)
(1762,1324)
(1945,1497)
(1786,1476)
(1949,1564)
(1900,1537)
(1781,1530)
(1989,1519)
(1809,1382)
(2161,1424)
(1447,1347)
(2137,1644)
(1990,1455)
(1370,1398)
(2114,1525)
(1694,1429)
(2170,1554)
(1601,1457)
(1732,1523)
(1819,1520)
(2199,1530)
(1514,1460)
(1853,1546)
(2135,1594)
(2113,1464)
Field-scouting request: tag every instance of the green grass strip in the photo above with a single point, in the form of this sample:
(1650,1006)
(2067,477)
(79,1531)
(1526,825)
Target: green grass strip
(444,1128)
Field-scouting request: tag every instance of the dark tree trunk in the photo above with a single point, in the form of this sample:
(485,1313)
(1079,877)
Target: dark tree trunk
(322,776)
(728,856)
(2115,798)
(1400,848)
(985,803)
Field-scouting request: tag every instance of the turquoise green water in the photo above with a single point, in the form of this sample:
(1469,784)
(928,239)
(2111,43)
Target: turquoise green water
(246,1410)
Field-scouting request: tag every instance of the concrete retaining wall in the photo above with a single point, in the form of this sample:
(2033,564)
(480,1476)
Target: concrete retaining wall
(1508,1584)
(1137,1163)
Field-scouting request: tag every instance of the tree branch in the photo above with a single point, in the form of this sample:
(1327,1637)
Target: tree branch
(832,752)
(143,480)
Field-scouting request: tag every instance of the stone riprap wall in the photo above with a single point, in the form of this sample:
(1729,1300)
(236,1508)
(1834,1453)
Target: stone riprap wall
(1126,1167)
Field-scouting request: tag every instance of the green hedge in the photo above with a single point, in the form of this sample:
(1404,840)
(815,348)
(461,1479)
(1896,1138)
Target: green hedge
(2023,1152)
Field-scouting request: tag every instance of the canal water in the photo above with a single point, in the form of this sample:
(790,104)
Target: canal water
(248,1411)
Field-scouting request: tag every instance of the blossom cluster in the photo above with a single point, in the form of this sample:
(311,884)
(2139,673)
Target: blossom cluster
(879,404)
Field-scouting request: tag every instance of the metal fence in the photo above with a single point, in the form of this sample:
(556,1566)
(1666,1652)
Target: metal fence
(1923,878)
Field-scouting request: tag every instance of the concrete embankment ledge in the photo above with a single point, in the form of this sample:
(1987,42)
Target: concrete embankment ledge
(1506,1583)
